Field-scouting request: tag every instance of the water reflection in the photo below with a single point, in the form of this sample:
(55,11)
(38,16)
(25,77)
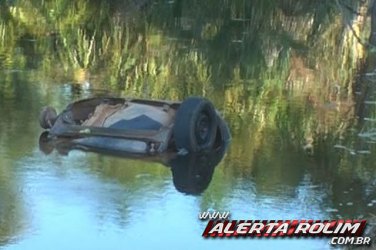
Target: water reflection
(12,211)
(191,173)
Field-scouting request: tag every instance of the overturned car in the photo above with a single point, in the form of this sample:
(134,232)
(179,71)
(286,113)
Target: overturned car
(138,126)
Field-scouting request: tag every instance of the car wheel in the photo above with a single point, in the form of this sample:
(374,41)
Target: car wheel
(47,117)
(195,125)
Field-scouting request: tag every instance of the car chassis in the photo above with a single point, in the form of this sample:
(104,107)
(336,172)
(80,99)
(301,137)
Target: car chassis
(138,125)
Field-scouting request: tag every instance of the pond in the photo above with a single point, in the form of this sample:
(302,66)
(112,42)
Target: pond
(284,74)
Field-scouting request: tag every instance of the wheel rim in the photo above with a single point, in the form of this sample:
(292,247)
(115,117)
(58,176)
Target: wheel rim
(202,128)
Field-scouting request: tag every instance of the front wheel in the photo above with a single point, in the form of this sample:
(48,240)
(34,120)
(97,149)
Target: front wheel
(195,125)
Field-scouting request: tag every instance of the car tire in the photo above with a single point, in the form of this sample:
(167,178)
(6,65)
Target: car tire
(47,117)
(195,125)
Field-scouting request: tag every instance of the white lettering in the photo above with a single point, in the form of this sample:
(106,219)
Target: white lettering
(271,227)
(367,241)
(350,226)
(282,228)
(256,227)
(218,228)
(214,215)
(316,228)
(243,228)
(302,227)
(334,241)
(350,240)
(326,229)
(227,229)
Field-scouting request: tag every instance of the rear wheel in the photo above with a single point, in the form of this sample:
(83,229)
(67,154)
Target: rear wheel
(195,125)
(47,117)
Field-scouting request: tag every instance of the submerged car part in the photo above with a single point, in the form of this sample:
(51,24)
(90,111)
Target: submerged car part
(191,173)
(138,125)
